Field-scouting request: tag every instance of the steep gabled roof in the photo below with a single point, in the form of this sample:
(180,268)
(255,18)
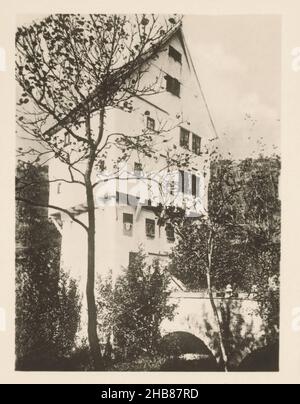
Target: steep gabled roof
(77,112)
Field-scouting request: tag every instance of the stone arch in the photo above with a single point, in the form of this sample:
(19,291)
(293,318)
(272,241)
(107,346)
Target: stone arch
(187,352)
(183,342)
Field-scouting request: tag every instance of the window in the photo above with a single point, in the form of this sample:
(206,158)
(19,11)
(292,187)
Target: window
(195,185)
(150,228)
(127,223)
(173,86)
(173,53)
(150,123)
(189,183)
(170,232)
(182,182)
(138,169)
(184,138)
(67,140)
(196,146)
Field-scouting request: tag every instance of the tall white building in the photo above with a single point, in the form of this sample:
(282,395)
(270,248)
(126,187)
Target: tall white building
(125,217)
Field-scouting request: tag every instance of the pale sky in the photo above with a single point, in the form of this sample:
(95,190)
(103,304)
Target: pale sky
(238,62)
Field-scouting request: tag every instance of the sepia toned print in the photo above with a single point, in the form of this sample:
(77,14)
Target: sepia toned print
(148,211)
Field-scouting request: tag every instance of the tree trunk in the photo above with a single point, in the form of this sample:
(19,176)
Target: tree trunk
(90,286)
(213,304)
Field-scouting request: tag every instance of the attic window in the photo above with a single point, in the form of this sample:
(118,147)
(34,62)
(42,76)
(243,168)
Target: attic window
(174,54)
(150,123)
(173,85)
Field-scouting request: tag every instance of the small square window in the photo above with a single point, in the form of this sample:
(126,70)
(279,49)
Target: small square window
(150,228)
(184,138)
(174,54)
(150,123)
(196,144)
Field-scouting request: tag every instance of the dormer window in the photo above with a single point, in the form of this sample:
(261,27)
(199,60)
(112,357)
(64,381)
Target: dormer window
(174,54)
(172,85)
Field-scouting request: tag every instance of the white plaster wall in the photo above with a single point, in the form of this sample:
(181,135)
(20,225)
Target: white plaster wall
(163,107)
(112,246)
(112,243)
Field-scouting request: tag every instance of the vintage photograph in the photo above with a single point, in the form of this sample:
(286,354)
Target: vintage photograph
(148,213)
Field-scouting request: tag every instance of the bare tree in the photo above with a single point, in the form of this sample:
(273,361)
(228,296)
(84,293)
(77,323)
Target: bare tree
(71,70)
